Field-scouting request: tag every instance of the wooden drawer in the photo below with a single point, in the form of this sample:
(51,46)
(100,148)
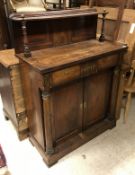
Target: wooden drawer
(103,63)
(65,75)
(107,62)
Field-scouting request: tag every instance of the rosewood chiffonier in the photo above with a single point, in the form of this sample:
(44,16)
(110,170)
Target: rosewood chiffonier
(70,79)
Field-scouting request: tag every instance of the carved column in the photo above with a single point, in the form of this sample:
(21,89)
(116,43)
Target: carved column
(48,123)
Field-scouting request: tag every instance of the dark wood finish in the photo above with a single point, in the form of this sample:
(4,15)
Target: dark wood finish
(64,98)
(11,92)
(79,52)
(80,25)
(100,97)
(65,75)
(71,85)
(70,110)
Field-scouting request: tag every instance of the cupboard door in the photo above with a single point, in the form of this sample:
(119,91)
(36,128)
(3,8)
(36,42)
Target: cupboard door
(97,91)
(67,110)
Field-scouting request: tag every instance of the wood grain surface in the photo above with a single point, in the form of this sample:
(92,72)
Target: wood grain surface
(47,59)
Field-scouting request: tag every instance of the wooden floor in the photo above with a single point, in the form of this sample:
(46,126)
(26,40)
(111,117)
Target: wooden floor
(111,153)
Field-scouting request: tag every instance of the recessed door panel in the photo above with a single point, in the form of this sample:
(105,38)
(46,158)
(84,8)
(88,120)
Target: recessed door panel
(67,110)
(97,90)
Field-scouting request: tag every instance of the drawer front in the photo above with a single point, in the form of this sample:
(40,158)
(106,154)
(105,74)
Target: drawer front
(93,67)
(65,75)
(107,62)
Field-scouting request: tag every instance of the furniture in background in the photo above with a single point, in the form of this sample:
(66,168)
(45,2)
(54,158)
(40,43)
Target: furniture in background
(70,80)
(113,19)
(129,90)
(28,5)
(11,92)
(125,34)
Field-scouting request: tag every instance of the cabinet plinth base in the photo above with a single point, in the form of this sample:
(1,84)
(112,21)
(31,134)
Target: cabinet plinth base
(75,142)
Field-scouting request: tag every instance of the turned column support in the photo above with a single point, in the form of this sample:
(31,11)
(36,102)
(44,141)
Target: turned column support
(27,52)
(102,36)
(48,123)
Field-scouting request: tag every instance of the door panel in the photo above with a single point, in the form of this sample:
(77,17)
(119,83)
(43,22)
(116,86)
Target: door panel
(97,90)
(67,111)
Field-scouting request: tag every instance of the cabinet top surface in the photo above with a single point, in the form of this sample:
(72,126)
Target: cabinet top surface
(46,60)
(8,58)
(53,14)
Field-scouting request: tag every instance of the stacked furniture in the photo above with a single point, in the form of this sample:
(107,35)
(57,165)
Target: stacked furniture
(70,79)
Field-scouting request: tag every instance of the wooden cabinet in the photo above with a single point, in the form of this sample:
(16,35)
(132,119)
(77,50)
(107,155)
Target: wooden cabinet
(71,85)
(70,105)
(11,92)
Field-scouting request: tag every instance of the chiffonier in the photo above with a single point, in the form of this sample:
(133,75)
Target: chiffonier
(70,79)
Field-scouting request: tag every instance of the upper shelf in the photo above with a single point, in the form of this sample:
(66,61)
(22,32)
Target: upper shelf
(69,13)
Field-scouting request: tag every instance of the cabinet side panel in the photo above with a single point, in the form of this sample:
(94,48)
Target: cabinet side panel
(32,103)
(6,94)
